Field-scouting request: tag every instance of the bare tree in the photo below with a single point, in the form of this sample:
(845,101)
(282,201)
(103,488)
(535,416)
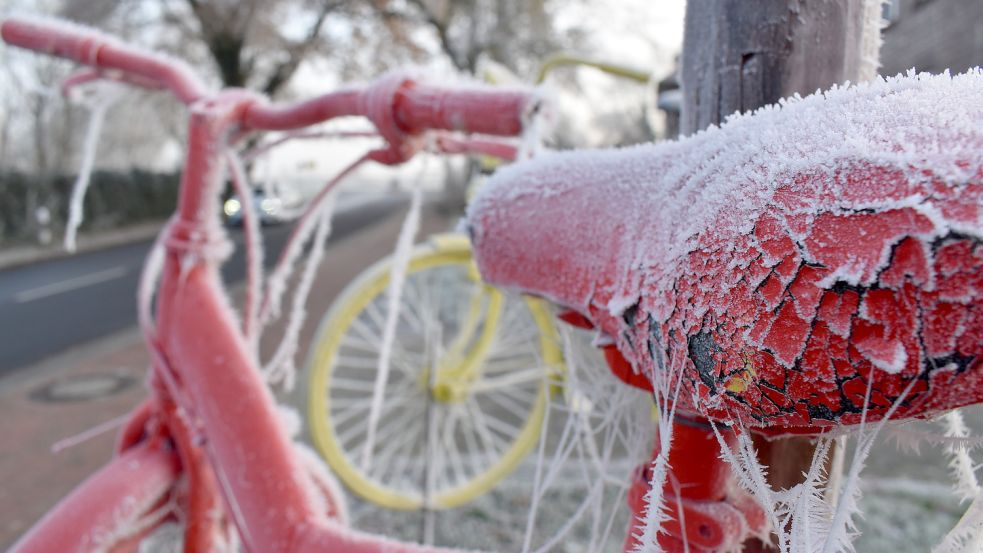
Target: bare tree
(516,33)
(34,111)
(256,44)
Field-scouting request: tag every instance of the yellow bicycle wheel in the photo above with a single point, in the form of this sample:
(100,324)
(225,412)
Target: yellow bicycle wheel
(493,354)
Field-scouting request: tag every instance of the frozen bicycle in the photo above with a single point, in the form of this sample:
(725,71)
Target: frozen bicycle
(721,171)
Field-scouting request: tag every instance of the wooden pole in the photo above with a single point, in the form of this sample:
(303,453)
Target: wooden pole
(740,55)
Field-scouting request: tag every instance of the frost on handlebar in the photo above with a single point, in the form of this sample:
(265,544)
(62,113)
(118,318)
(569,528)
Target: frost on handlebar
(90,47)
(398,104)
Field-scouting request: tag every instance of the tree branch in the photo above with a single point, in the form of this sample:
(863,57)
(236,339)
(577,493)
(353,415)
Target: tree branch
(296,52)
(441,27)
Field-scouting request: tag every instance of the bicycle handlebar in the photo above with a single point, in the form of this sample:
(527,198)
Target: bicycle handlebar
(398,105)
(100,51)
(477,109)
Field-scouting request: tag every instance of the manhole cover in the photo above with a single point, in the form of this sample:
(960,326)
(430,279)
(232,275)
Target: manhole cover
(82,387)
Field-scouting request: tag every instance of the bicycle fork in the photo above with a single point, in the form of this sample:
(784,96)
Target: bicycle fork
(706,509)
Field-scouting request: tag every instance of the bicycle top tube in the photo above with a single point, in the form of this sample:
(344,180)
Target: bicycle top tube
(791,266)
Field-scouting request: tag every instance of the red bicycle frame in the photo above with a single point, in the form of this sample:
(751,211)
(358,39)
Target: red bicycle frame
(209,437)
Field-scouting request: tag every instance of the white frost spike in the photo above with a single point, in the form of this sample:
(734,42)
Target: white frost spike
(104,97)
(290,420)
(843,526)
(533,124)
(153,266)
(967,535)
(811,513)
(870,39)
(911,440)
(401,260)
(655,506)
(753,477)
(836,471)
(604,424)
(277,282)
(967,486)
(88,434)
(254,249)
(281,367)
(325,483)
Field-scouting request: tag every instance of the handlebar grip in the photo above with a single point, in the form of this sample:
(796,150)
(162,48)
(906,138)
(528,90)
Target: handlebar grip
(484,110)
(55,38)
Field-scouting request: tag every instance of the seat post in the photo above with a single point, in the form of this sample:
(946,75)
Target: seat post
(705,508)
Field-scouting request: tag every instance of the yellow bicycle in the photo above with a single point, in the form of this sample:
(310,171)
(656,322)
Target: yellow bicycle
(463,359)
(488,385)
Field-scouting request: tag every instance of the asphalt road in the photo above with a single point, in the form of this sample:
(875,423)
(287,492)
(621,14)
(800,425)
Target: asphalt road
(50,306)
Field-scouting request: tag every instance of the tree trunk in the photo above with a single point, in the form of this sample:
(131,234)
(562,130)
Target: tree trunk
(42,173)
(738,56)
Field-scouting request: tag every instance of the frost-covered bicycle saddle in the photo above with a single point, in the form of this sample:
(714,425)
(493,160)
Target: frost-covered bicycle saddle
(783,262)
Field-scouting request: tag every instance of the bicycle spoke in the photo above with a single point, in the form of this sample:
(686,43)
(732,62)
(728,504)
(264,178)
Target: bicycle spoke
(412,299)
(399,360)
(354,409)
(366,334)
(502,427)
(456,464)
(436,457)
(510,363)
(510,380)
(354,342)
(348,361)
(481,426)
(376,314)
(363,423)
(390,447)
(352,385)
(508,404)
(404,471)
(474,454)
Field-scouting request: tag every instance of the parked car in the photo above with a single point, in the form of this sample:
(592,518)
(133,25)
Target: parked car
(271,210)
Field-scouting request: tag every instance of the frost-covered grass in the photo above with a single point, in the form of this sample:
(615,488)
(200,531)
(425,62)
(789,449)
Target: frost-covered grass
(497,520)
(908,505)
(910,497)
(905,515)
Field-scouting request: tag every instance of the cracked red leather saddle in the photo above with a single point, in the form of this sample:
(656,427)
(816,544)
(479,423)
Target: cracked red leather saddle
(783,263)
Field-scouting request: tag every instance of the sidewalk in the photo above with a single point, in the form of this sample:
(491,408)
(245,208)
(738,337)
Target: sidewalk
(22,255)
(101,381)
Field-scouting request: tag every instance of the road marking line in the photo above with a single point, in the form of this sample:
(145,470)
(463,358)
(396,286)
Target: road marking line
(68,285)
